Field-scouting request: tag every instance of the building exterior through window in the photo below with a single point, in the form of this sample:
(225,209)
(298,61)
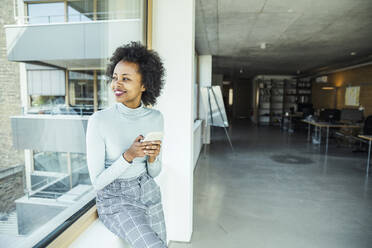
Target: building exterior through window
(62,48)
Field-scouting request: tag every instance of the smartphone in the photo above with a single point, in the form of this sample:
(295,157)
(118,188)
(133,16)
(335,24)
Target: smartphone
(151,136)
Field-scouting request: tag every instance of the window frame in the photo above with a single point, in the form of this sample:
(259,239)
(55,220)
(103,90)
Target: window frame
(26,3)
(70,229)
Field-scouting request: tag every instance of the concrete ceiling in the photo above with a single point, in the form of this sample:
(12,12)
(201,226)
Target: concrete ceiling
(304,35)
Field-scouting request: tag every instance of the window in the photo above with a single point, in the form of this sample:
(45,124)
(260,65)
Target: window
(81,93)
(46,88)
(60,171)
(42,85)
(47,181)
(58,181)
(46,12)
(83,11)
(125,9)
(80,11)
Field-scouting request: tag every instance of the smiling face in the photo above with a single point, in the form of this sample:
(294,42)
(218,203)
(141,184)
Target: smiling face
(127,84)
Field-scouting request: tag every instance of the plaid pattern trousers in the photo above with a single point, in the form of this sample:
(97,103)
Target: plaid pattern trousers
(132,209)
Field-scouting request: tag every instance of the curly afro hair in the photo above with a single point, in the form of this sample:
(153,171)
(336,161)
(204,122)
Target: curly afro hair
(149,64)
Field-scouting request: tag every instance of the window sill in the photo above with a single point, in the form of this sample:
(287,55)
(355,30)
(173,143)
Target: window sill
(73,231)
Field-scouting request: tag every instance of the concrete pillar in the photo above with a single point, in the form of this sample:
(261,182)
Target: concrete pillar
(205,70)
(173,38)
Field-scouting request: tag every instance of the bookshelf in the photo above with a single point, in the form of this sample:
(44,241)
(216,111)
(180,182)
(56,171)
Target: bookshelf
(279,95)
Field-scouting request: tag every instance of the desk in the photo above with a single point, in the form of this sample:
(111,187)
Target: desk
(369,138)
(326,125)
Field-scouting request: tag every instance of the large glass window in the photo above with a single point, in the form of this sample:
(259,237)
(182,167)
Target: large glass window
(60,171)
(45,174)
(47,89)
(58,180)
(78,11)
(50,161)
(81,92)
(81,95)
(84,10)
(50,176)
(46,12)
(125,9)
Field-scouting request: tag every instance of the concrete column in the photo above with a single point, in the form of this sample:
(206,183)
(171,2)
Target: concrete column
(173,38)
(205,70)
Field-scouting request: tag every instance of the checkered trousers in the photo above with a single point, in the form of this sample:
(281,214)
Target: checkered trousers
(132,209)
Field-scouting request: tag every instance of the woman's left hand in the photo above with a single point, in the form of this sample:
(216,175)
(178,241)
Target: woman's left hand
(152,149)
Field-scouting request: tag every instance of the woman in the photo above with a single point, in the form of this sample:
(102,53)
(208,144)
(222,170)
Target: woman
(121,167)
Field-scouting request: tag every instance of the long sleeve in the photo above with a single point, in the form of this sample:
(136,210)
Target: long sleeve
(99,176)
(154,168)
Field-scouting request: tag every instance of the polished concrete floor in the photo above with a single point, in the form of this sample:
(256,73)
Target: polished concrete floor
(279,191)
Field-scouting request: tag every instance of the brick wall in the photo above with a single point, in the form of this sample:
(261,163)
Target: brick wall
(11,160)
(11,187)
(10,100)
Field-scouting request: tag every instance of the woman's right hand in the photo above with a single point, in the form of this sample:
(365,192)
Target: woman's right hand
(135,150)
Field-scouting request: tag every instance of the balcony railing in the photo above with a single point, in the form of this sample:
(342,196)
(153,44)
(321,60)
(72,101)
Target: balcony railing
(71,44)
(81,17)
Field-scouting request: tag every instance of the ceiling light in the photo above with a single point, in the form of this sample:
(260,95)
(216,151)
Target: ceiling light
(352,53)
(241,71)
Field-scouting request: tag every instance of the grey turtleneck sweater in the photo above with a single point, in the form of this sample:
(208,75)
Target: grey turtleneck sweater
(110,132)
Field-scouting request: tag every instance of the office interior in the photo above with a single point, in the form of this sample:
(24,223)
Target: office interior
(296,81)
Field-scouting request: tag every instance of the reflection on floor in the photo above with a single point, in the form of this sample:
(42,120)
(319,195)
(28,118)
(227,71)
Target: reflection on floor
(279,191)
